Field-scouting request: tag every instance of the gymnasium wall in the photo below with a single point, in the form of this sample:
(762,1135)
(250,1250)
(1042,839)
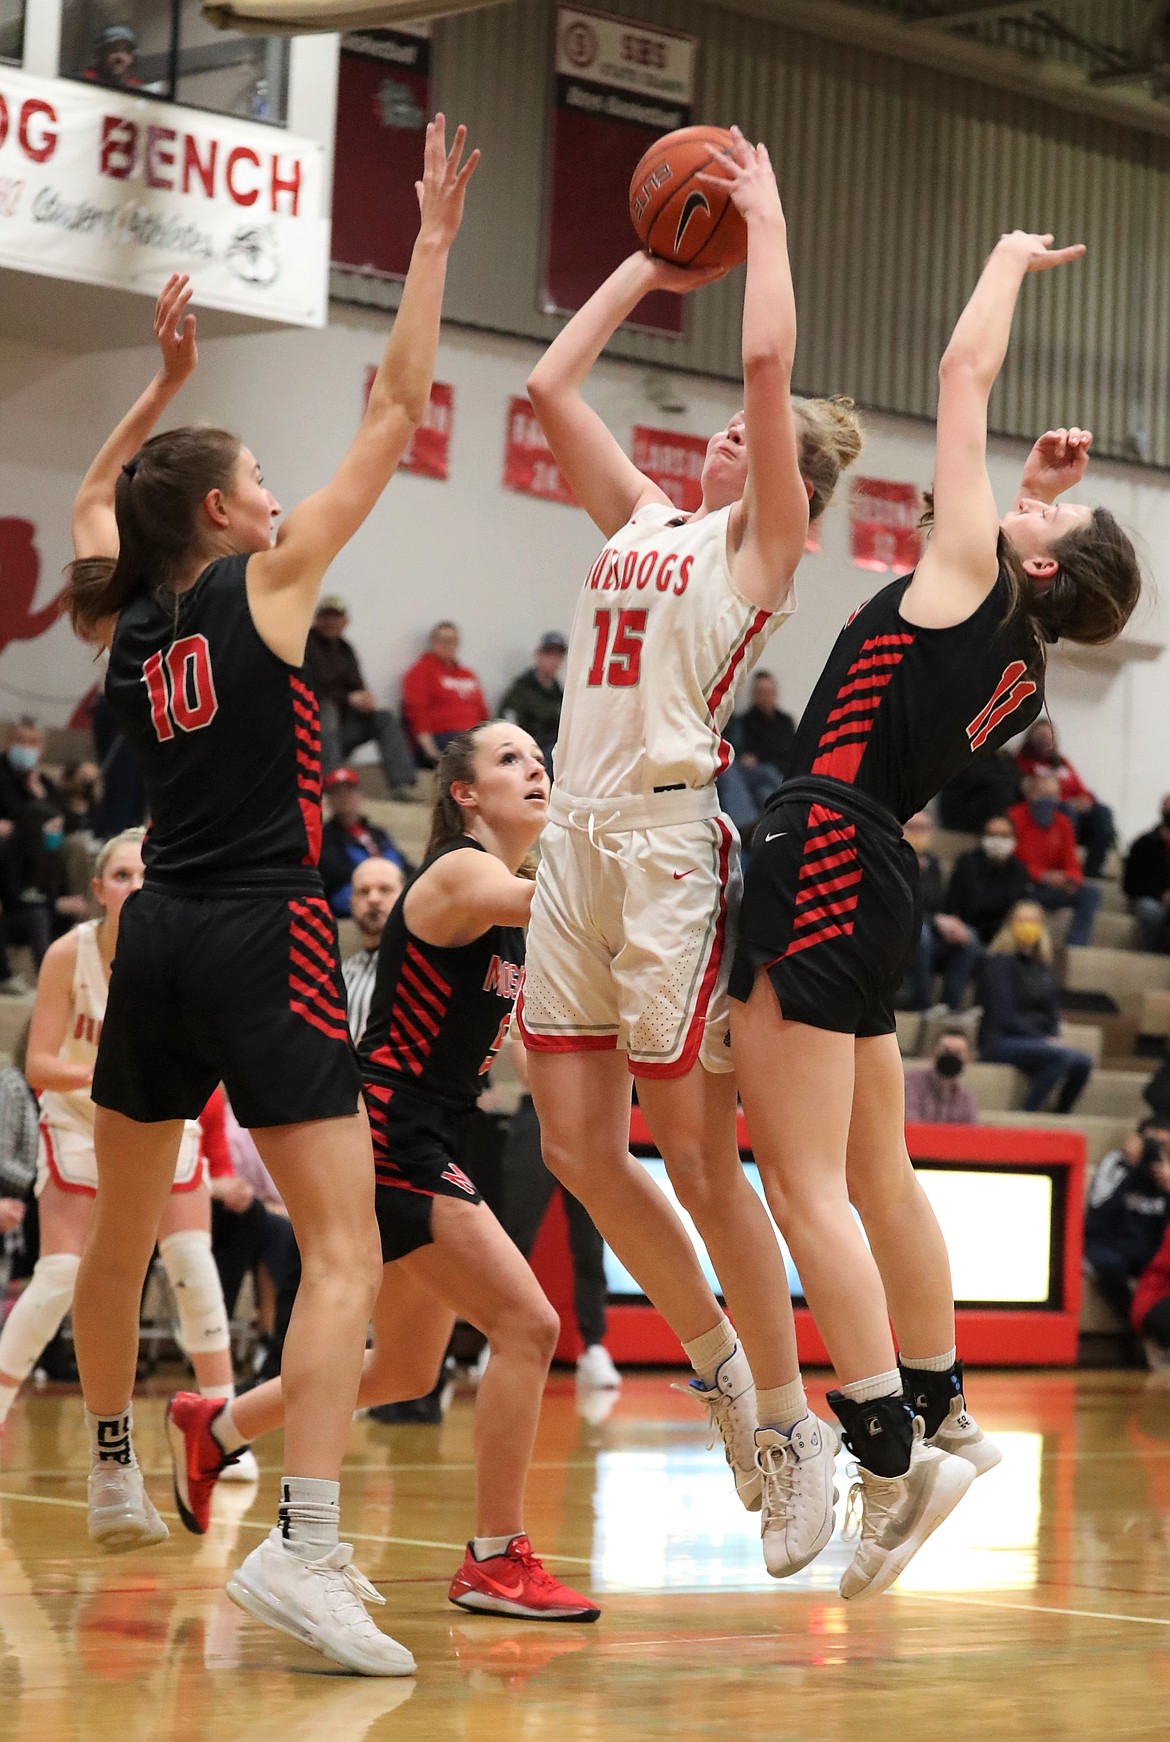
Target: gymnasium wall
(896,179)
(505,566)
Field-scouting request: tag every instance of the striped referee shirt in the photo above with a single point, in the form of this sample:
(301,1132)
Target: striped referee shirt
(359,972)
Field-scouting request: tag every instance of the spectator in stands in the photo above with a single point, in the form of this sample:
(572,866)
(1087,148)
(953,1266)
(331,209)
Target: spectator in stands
(376,886)
(937,1096)
(533,700)
(349,837)
(350,714)
(48,905)
(440,697)
(1092,821)
(1150,1308)
(987,882)
(1146,881)
(1046,844)
(1124,1230)
(1116,1164)
(250,1228)
(23,783)
(80,796)
(987,787)
(115,57)
(1021,1016)
(946,944)
(762,738)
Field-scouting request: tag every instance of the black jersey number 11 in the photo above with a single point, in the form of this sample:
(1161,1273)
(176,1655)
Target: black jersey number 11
(181,687)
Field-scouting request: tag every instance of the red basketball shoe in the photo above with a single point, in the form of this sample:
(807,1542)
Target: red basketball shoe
(514,1583)
(197,1458)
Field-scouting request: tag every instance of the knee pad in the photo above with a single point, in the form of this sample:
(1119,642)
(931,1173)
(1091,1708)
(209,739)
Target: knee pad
(36,1318)
(196,1287)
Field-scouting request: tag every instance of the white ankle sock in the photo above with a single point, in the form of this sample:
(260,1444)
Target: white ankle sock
(932,1363)
(708,1352)
(483,1547)
(880,1385)
(309,1515)
(781,1406)
(8,1396)
(110,1438)
(224,1431)
(227,1392)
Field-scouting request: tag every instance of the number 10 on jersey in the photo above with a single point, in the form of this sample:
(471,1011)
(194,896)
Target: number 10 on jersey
(181,687)
(617,663)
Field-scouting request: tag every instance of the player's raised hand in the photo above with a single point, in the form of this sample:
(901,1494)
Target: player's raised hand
(444,183)
(746,173)
(665,275)
(1036,251)
(174,329)
(1057,463)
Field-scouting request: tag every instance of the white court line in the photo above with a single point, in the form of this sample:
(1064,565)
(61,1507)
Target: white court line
(649,1591)
(255,1524)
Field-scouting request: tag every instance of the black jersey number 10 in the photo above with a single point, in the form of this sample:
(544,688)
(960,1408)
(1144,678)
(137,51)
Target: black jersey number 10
(618,664)
(181,687)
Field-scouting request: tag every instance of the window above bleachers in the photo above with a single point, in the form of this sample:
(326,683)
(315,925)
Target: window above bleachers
(12,31)
(166,49)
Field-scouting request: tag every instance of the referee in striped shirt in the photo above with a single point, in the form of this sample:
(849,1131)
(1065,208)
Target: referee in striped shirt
(377,884)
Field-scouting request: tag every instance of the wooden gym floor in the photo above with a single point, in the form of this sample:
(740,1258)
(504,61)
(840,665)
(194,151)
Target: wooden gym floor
(1038,1611)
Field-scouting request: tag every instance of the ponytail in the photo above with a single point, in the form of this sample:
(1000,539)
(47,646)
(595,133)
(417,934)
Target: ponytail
(156,504)
(457,763)
(830,437)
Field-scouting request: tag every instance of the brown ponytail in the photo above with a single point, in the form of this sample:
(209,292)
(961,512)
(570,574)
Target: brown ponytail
(156,502)
(457,763)
(830,435)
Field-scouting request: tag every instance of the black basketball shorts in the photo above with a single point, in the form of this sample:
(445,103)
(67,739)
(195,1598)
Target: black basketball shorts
(831,908)
(239,988)
(416,1142)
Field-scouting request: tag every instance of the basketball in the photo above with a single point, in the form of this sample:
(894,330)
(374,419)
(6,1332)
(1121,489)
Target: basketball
(679,218)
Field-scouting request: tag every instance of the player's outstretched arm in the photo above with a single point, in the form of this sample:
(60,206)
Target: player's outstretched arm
(606,481)
(960,565)
(95,528)
(283,583)
(461,895)
(770,525)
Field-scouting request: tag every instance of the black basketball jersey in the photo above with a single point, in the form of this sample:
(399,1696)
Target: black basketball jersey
(227,735)
(899,710)
(438,1017)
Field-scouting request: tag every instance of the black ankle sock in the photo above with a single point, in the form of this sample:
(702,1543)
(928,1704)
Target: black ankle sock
(930,1394)
(879,1433)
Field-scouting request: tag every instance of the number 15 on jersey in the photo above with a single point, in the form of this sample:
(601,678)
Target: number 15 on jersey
(617,663)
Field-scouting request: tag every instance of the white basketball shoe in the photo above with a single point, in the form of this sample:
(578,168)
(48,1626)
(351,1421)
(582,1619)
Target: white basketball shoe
(122,1516)
(731,1403)
(898,1513)
(799,1494)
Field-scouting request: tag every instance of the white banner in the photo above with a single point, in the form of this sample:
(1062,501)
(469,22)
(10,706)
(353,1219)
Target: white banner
(112,188)
(629,55)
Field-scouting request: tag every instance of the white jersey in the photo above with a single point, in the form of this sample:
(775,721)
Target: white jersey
(661,645)
(73,1110)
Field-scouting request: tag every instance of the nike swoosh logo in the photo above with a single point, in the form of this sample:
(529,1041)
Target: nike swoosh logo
(777,837)
(696,202)
(513,1591)
(679,874)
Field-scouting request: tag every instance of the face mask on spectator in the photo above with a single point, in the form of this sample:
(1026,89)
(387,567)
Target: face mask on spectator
(949,1065)
(53,839)
(998,847)
(23,756)
(1026,933)
(1043,810)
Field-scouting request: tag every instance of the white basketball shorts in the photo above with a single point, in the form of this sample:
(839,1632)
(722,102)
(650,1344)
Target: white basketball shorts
(66,1157)
(630,944)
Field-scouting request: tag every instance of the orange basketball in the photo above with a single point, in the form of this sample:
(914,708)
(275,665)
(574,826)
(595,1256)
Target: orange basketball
(681,219)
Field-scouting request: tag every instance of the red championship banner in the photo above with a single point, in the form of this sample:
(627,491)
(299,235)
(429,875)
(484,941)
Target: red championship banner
(529,466)
(619,85)
(883,525)
(429,453)
(674,462)
(383,105)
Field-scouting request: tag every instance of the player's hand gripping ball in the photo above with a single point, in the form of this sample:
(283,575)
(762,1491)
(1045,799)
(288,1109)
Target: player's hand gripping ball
(680,218)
